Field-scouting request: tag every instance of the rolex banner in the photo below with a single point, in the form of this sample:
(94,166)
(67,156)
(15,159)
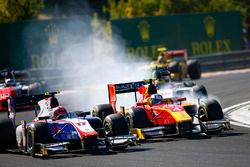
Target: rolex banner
(45,43)
(201,34)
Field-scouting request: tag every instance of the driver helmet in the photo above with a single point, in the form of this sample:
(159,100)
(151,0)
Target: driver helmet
(161,58)
(157,74)
(9,82)
(156,99)
(58,113)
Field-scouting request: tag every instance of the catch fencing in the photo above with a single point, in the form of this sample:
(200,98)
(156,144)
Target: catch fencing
(225,61)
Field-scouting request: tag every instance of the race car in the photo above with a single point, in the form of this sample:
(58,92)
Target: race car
(17,84)
(61,131)
(147,120)
(177,62)
(166,116)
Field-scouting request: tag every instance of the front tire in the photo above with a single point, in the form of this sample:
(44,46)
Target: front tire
(115,125)
(96,124)
(37,133)
(212,110)
(8,134)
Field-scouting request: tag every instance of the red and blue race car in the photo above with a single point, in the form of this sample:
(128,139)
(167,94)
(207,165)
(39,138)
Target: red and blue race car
(17,84)
(62,131)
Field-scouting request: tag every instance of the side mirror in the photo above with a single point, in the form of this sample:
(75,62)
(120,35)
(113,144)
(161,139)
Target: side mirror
(82,113)
(43,117)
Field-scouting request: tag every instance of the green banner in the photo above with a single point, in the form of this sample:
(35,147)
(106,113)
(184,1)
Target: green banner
(200,33)
(44,43)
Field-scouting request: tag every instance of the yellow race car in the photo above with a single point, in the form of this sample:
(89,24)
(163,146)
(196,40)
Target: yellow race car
(176,61)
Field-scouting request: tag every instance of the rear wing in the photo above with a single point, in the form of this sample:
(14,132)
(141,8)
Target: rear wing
(114,89)
(182,52)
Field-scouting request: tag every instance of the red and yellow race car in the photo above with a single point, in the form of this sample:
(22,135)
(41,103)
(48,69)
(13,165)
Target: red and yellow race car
(152,115)
(148,119)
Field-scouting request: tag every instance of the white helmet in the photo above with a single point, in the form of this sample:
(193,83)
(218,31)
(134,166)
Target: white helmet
(10,82)
(156,99)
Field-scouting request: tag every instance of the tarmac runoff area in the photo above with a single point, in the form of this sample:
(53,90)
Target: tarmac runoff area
(239,114)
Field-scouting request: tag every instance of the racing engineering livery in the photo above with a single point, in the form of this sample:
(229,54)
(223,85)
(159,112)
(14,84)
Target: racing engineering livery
(169,116)
(64,132)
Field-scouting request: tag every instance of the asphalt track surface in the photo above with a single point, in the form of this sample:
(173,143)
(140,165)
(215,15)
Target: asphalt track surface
(227,149)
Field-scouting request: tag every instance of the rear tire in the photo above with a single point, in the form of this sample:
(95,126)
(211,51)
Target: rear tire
(194,69)
(8,135)
(102,111)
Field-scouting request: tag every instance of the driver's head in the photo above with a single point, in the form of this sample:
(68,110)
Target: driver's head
(157,74)
(9,82)
(156,99)
(54,102)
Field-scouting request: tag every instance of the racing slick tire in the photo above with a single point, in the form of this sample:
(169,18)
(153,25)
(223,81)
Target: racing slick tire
(212,110)
(137,118)
(38,132)
(200,91)
(115,125)
(175,68)
(102,111)
(194,69)
(8,134)
(96,124)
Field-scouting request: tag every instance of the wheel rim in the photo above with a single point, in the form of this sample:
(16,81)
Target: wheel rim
(202,115)
(107,130)
(29,142)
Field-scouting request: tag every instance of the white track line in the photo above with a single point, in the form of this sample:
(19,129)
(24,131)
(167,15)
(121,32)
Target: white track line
(239,114)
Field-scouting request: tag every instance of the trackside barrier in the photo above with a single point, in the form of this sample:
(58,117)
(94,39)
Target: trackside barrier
(225,61)
(213,62)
